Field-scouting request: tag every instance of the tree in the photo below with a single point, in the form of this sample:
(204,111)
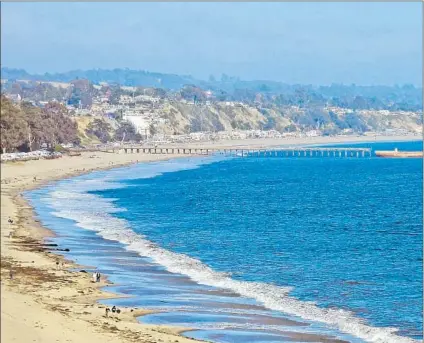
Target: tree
(359,103)
(355,122)
(75,97)
(191,92)
(270,123)
(29,127)
(337,121)
(127,132)
(115,94)
(290,128)
(14,129)
(82,90)
(159,93)
(36,125)
(59,128)
(99,128)
(152,130)
(319,116)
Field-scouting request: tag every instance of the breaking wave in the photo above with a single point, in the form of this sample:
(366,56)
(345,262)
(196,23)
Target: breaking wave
(69,200)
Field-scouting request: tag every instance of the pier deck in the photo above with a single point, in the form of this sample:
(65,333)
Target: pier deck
(256,152)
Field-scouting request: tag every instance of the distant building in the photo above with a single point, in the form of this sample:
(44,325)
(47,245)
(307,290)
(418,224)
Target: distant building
(140,124)
(15,97)
(347,131)
(313,133)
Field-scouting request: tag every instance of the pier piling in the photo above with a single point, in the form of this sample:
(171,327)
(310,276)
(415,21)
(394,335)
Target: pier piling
(303,152)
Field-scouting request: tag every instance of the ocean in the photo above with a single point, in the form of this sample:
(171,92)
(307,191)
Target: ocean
(257,249)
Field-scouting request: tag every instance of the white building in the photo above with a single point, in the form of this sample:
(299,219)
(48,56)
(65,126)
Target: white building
(140,123)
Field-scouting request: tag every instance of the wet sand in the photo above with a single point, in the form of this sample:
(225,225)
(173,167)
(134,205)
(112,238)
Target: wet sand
(174,299)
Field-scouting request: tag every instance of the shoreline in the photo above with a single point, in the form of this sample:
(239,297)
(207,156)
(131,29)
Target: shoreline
(52,299)
(138,283)
(37,263)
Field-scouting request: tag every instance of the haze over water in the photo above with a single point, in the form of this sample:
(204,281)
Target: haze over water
(332,242)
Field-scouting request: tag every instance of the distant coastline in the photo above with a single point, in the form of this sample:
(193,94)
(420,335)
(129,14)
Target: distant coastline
(273,142)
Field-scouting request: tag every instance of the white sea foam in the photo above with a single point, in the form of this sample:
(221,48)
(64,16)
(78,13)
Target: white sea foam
(70,200)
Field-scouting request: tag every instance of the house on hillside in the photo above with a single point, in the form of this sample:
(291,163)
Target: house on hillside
(313,133)
(14,97)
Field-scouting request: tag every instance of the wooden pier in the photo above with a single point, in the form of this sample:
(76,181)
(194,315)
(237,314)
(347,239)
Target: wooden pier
(256,152)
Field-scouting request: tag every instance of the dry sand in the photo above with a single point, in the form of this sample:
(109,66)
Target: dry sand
(41,303)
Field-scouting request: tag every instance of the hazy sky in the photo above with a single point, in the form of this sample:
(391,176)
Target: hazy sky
(312,43)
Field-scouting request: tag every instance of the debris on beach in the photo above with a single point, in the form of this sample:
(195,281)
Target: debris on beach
(27,156)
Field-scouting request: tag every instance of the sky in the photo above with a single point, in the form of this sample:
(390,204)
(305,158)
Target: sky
(307,43)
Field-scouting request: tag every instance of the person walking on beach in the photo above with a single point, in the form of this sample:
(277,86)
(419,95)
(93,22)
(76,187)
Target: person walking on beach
(97,277)
(10,221)
(94,277)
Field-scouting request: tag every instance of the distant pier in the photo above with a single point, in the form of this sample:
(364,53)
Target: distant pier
(255,152)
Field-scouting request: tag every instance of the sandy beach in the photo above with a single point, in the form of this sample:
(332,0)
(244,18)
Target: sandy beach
(43,303)
(41,299)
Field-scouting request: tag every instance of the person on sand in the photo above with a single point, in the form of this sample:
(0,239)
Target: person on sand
(107,311)
(97,277)
(57,264)
(94,277)
(11,274)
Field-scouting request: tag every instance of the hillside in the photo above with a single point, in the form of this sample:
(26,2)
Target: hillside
(106,111)
(83,123)
(227,88)
(182,118)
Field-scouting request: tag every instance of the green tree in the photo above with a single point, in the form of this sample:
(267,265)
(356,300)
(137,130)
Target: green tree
(99,128)
(192,93)
(115,94)
(152,130)
(127,133)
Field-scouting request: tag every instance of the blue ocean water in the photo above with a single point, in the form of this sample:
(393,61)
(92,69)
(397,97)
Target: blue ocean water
(336,241)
